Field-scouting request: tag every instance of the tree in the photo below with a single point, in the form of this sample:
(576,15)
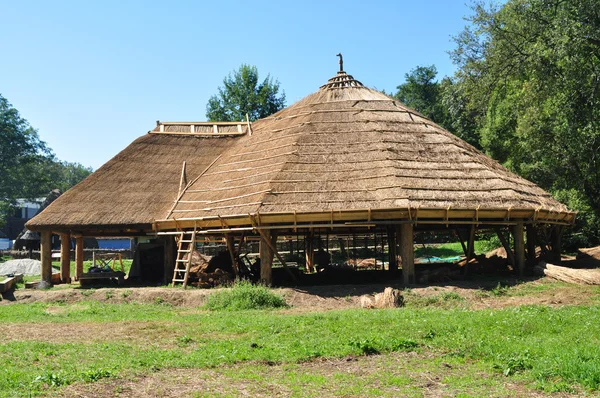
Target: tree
(242,94)
(422,92)
(28,168)
(441,101)
(530,70)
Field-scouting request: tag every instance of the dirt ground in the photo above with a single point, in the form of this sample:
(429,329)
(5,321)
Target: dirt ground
(396,374)
(476,293)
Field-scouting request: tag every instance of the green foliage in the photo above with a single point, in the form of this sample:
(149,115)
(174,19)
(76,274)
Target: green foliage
(28,168)
(242,94)
(528,78)
(243,295)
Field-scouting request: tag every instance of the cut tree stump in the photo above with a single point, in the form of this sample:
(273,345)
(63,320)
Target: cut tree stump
(569,275)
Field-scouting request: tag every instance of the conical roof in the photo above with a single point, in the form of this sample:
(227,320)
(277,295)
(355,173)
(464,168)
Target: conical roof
(348,149)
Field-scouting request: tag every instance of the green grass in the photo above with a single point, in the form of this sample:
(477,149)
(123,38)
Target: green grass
(244,295)
(551,348)
(450,249)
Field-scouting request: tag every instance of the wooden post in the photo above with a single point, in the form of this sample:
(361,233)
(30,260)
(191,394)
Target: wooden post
(309,252)
(555,239)
(231,249)
(46,255)
(470,249)
(531,234)
(170,257)
(407,254)
(519,248)
(65,258)
(392,250)
(266,256)
(78,257)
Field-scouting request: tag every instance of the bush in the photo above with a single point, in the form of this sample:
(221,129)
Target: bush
(243,295)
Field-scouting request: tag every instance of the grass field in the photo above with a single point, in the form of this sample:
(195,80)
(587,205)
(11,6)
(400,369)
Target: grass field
(436,344)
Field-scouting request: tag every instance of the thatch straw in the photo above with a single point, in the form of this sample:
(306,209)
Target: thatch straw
(135,187)
(350,147)
(344,148)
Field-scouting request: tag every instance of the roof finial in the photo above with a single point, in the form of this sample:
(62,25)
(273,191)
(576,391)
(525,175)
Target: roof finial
(341,62)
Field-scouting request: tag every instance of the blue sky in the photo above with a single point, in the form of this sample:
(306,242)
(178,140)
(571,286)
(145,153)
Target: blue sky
(92,76)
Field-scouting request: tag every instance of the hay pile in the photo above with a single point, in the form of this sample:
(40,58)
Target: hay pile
(390,298)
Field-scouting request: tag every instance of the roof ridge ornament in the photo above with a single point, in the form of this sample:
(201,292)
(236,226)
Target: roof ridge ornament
(341,79)
(341,62)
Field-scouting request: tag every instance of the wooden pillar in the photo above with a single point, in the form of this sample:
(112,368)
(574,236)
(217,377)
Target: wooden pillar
(266,256)
(531,237)
(170,257)
(46,255)
(309,252)
(65,258)
(78,257)
(519,248)
(555,241)
(407,254)
(392,251)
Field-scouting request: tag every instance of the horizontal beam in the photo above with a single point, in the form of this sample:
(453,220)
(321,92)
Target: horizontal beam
(370,217)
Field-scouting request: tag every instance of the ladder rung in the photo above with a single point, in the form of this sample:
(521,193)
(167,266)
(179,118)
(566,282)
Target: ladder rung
(178,280)
(184,251)
(181,261)
(186,241)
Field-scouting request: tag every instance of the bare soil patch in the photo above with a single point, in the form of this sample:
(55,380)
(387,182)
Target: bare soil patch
(396,374)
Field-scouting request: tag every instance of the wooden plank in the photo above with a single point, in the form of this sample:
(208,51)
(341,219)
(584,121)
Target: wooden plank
(65,258)
(407,253)
(46,255)
(10,283)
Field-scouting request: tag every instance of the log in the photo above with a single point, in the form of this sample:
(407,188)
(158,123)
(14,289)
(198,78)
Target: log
(569,275)
(10,283)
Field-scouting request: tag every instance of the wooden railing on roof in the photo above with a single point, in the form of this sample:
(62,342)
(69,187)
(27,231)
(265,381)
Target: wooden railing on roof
(203,128)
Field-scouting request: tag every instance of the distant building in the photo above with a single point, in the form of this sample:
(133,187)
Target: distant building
(15,222)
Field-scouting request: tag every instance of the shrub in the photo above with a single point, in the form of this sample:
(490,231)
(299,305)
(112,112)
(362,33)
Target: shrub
(243,295)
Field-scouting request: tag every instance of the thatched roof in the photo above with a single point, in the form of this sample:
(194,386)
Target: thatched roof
(346,153)
(348,148)
(135,187)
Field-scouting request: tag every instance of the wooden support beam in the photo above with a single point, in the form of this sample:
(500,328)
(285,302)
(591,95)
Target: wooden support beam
(462,242)
(392,249)
(309,252)
(518,236)
(407,254)
(555,241)
(78,257)
(506,245)
(531,244)
(65,258)
(46,255)
(231,250)
(266,256)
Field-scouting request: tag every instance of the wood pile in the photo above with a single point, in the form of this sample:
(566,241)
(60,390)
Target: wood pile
(390,298)
(207,272)
(569,275)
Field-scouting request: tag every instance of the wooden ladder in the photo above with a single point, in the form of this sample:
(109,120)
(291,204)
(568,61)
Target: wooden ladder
(185,247)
